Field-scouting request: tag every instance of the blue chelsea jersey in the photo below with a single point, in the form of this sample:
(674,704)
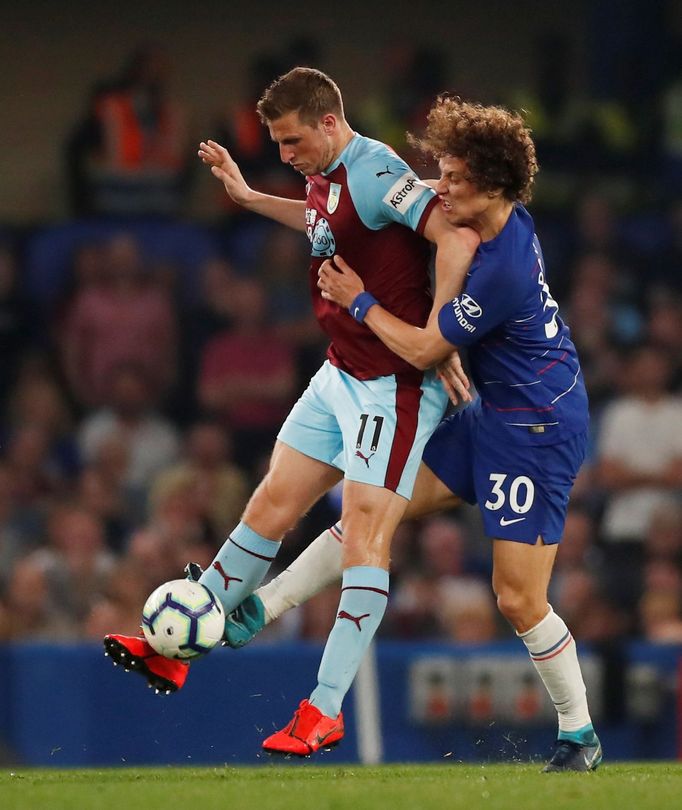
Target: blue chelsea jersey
(521,356)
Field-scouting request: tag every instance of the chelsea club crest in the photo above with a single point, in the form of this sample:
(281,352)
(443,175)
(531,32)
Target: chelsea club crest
(333,199)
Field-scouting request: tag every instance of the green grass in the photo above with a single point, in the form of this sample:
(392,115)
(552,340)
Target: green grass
(448,786)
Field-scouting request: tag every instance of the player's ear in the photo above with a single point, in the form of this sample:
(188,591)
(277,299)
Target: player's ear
(329,123)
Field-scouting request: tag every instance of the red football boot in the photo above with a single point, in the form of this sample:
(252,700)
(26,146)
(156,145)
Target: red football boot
(308,731)
(165,675)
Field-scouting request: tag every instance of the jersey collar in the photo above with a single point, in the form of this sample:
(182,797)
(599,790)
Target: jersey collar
(337,162)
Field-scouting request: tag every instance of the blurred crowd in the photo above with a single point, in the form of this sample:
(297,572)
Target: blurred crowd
(136,417)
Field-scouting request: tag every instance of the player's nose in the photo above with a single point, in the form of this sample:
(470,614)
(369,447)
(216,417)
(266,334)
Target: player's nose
(286,154)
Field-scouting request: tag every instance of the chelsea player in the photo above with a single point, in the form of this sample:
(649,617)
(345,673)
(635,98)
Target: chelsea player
(517,449)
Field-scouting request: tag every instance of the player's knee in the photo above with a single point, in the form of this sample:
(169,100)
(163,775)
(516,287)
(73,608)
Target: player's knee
(515,605)
(270,498)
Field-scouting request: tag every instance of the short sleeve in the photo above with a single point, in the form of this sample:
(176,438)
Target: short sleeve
(386,190)
(489,298)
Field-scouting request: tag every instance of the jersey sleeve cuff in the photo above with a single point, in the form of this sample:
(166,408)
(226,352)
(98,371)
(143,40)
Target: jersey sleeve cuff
(423,219)
(451,329)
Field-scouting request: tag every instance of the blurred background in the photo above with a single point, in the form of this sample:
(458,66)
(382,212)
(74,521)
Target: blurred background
(153,338)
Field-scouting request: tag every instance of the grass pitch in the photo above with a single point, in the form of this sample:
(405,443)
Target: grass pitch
(639,786)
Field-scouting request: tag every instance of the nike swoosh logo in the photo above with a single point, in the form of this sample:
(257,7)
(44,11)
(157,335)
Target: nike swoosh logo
(505,522)
(355,313)
(320,740)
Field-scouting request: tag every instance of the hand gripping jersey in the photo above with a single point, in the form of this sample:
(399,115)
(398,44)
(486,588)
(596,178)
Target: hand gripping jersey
(522,360)
(368,207)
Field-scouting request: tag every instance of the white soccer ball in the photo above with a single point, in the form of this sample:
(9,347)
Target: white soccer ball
(183,619)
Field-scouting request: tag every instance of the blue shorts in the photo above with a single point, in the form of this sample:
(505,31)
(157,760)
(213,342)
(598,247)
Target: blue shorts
(373,430)
(522,490)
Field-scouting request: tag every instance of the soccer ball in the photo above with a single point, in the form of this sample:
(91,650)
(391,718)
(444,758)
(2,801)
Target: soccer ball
(183,619)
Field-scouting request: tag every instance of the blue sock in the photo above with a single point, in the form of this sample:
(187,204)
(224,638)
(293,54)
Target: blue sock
(364,594)
(582,736)
(239,566)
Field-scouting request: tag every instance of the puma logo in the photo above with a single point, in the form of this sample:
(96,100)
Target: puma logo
(387,171)
(355,619)
(364,458)
(226,577)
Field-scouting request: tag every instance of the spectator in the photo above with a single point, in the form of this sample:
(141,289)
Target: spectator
(129,154)
(221,487)
(29,610)
(248,375)
(104,496)
(121,603)
(247,140)
(15,540)
(280,265)
(75,562)
(593,616)
(639,467)
(37,400)
(127,318)
(144,438)
(640,448)
(602,317)
(35,481)
(210,315)
(661,615)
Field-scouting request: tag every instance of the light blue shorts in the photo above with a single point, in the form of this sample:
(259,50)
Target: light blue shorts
(373,430)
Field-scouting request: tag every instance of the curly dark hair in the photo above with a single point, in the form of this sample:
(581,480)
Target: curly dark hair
(495,144)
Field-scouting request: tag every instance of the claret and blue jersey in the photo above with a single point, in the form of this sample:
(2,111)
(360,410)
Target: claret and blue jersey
(370,207)
(522,360)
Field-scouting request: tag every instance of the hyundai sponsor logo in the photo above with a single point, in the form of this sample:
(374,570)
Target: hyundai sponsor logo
(471,307)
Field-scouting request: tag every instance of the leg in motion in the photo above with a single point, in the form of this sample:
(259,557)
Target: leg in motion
(521,574)
(370,516)
(244,558)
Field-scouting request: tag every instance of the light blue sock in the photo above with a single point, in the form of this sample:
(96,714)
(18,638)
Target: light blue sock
(364,594)
(239,566)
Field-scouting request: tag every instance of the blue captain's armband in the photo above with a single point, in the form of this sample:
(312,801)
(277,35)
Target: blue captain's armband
(361,304)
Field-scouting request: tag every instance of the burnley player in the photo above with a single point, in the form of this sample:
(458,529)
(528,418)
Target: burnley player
(517,449)
(367,413)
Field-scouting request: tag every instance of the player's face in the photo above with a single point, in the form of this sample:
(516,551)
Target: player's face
(306,148)
(463,202)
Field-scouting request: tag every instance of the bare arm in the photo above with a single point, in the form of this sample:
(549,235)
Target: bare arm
(281,209)
(422,347)
(455,248)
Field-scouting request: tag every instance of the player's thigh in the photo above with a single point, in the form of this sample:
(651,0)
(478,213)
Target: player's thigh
(386,423)
(430,494)
(370,517)
(293,484)
(445,478)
